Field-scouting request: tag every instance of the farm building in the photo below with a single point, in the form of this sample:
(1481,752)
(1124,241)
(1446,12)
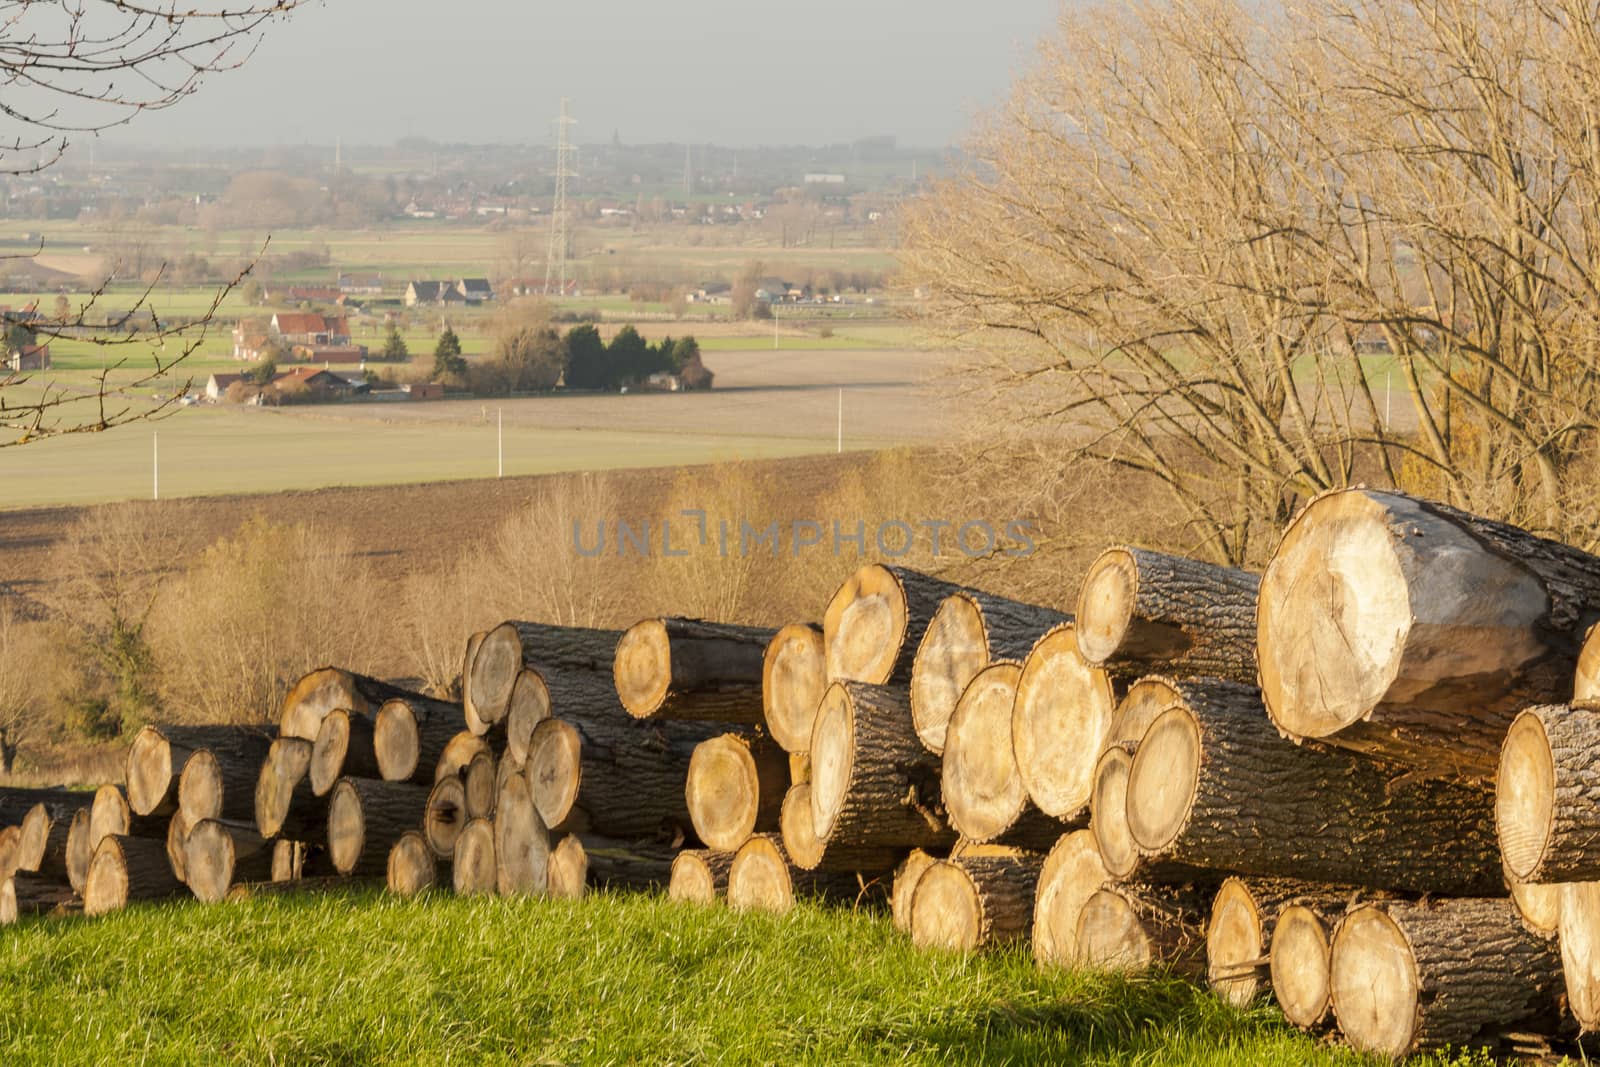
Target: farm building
(310,328)
(433,293)
(331,353)
(424,391)
(30,357)
(475,290)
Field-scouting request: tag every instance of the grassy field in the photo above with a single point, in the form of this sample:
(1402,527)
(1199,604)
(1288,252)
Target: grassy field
(361,978)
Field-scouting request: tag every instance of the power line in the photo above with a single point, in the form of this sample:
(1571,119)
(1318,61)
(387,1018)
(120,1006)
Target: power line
(555,262)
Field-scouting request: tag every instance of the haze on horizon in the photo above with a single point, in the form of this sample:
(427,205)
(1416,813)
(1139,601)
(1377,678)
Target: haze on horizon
(487,71)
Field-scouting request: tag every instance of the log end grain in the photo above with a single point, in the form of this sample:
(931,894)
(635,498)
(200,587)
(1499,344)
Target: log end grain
(724,791)
(981,787)
(493,672)
(793,677)
(1524,799)
(445,816)
(554,769)
(1162,780)
(473,870)
(328,751)
(760,878)
(699,876)
(396,741)
(946,911)
(412,867)
(530,705)
(149,771)
(1059,721)
(569,869)
(642,667)
(1073,872)
(209,859)
(521,840)
(1105,604)
(864,626)
(1373,982)
(1236,945)
(954,648)
(1112,837)
(1301,953)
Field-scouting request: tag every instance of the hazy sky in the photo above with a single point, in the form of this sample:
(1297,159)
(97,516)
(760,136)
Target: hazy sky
(718,71)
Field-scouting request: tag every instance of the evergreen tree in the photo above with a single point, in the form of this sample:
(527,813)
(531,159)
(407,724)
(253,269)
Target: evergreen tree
(394,346)
(588,361)
(447,359)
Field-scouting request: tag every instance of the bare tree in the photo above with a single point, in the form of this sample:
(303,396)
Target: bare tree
(78,68)
(1201,233)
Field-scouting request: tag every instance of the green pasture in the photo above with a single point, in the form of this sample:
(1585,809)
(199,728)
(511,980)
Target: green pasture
(356,977)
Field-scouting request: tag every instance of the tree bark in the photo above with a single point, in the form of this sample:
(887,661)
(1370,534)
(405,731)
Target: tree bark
(327,688)
(794,674)
(445,816)
(689,669)
(366,816)
(15,802)
(217,854)
(1406,629)
(1143,612)
(30,893)
(761,878)
(219,782)
(344,748)
(513,646)
(125,869)
(812,853)
(1072,873)
(412,866)
(1408,977)
(625,865)
(873,785)
(1546,794)
(1131,927)
(159,754)
(735,788)
(409,736)
(975,902)
(1244,915)
(1214,786)
(699,876)
(1059,722)
(980,783)
(472,869)
(875,621)
(521,842)
(285,804)
(595,770)
(969,631)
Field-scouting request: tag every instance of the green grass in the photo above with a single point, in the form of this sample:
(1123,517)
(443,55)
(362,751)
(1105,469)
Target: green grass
(362,978)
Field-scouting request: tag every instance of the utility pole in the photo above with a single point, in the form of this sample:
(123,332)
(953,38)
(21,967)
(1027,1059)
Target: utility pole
(555,261)
(840,447)
(500,442)
(688,171)
(155,465)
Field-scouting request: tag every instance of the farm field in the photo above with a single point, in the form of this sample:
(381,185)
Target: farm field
(767,404)
(356,977)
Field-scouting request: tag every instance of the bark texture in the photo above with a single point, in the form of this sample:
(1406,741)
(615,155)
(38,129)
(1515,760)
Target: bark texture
(812,853)
(975,902)
(366,816)
(327,688)
(514,646)
(159,754)
(29,893)
(410,734)
(1547,794)
(218,782)
(1244,914)
(126,869)
(1131,927)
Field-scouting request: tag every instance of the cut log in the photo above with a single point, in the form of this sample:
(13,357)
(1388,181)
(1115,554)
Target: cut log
(604,773)
(1580,951)
(530,705)
(1301,952)
(521,842)
(1072,873)
(1145,702)
(126,869)
(15,801)
(875,622)
(873,785)
(512,646)
(975,902)
(1547,794)
(344,748)
(569,869)
(480,781)
(409,736)
(689,669)
(463,748)
(1407,629)
(293,861)
(626,865)
(906,877)
(78,851)
(217,854)
(761,878)
(10,846)
(159,754)
(794,673)
(1214,786)
(1407,977)
(42,840)
(800,767)
(699,876)
(285,805)
(970,631)
(445,817)
(1113,837)
(327,688)
(470,719)
(1239,933)
(412,866)
(472,870)
(177,845)
(366,816)
(110,814)
(1132,928)
(735,787)
(836,853)
(982,790)
(310,884)
(1059,720)
(1539,906)
(219,782)
(30,893)
(1143,612)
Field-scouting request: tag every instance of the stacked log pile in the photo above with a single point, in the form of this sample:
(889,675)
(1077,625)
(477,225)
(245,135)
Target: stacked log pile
(1365,783)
